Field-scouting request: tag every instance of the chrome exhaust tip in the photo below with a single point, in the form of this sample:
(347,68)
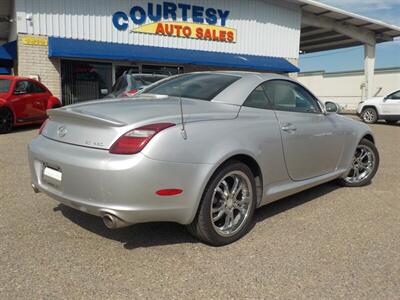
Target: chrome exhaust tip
(34,188)
(113,222)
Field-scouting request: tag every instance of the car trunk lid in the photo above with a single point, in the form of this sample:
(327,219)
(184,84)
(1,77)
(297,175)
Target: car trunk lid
(98,124)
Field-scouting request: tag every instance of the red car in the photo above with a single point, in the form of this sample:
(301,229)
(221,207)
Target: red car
(23,101)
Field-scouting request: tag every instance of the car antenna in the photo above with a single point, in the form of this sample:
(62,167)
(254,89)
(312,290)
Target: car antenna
(183,129)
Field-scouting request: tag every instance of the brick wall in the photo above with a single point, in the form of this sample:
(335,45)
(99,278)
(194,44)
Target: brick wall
(34,60)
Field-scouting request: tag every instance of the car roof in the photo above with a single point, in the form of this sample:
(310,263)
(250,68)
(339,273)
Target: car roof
(238,91)
(247,74)
(146,75)
(13,77)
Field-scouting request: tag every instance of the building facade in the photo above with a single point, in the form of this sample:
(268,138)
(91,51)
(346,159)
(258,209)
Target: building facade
(79,48)
(347,88)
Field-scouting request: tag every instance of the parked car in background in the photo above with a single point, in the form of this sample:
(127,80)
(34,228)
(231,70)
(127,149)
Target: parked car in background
(380,108)
(23,101)
(201,149)
(129,84)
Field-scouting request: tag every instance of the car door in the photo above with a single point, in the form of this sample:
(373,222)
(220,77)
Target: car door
(312,141)
(40,98)
(391,104)
(263,133)
(21,100)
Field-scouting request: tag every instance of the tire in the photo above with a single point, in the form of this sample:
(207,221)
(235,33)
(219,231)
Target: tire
(371,159)
(369,115)
(6,120)
(228,209)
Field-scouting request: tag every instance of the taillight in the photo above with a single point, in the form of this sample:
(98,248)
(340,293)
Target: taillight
(135,140)
(130,93)
(42,127)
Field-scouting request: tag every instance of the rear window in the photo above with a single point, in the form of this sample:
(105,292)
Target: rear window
(196,86)
(5,85)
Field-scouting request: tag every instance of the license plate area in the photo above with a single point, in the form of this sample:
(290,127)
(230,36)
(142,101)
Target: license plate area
(52,175)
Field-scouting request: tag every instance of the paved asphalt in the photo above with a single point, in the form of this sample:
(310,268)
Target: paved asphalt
(325,243)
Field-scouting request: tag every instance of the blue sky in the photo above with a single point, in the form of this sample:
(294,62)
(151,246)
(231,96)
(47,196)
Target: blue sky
(387,54)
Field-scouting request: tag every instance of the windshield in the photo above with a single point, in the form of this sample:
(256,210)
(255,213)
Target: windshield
(196,86)
(120,86)
(4,85)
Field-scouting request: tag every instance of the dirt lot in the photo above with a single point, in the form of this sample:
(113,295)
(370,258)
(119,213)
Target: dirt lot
(328,242)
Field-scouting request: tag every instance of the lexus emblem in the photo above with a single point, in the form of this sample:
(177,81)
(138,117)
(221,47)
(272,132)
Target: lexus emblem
(62,131)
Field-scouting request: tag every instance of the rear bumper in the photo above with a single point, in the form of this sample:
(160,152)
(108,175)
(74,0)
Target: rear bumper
(97,182)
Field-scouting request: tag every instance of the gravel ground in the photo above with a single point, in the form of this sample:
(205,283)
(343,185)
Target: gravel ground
(328,242)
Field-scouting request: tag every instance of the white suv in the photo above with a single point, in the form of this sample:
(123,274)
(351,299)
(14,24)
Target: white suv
(380,108)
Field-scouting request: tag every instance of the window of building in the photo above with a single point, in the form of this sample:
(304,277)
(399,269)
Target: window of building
(161,70)
(83,80)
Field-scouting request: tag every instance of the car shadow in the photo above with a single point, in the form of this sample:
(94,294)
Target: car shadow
(24,128)
(135,236)
(293,201)
(159,234)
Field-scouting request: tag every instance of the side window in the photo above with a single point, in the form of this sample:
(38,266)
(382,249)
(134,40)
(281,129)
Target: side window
(22,87)
(394,96)
(289,96)
(257,99)
(35,88)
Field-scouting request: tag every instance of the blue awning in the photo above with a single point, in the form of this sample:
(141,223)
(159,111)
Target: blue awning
(8,51)
(71,48)
(5,71)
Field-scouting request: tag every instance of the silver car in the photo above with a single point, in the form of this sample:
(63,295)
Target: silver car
(200,149)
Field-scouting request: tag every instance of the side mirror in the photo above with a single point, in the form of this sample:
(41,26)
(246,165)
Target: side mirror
(331,107)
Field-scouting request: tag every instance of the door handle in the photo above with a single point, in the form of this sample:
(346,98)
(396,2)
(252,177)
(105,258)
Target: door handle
(288,127)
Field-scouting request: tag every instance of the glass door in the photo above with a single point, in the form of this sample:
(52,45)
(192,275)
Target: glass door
(83,81)
(161,70)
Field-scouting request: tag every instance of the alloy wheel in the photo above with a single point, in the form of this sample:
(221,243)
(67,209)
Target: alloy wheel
(363,164)
(231,203)
(369,116)
(6,120)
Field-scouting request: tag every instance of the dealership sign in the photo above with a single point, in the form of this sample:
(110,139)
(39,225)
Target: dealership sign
(207,23)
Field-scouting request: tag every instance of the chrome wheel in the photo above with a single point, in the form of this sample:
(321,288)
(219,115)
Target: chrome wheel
(231,203)
(363,164)
(370,115)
